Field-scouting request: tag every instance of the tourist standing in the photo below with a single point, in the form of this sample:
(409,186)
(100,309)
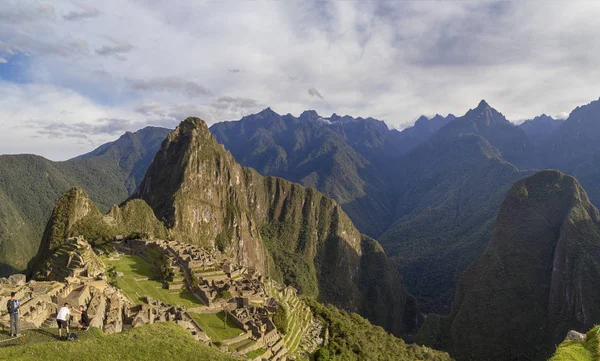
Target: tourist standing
(62,319)
(13,310)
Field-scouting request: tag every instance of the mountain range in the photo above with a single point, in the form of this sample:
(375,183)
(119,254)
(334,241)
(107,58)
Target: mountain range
(438,197)
(195,192)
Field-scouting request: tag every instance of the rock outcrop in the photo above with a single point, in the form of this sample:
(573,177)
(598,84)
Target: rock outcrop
(576,336)
(538,278)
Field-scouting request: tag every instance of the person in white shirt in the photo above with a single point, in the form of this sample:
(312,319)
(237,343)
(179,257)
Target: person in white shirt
(62,319)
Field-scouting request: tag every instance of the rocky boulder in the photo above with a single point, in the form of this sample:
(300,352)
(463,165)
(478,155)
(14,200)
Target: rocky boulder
(576,336)
(17,279)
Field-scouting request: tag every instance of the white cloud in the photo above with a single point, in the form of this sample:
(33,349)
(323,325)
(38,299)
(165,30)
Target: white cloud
(3,61)
(156,61)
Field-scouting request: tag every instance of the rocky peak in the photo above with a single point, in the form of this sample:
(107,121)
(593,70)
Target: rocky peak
(267,113)
(421,120)
(540,269)
(486,116)
(585,112)
(340,119)
(309,115)
(434,123)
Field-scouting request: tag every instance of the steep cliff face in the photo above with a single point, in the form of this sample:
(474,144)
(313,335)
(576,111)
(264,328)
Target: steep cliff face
(538,278)
(292,233)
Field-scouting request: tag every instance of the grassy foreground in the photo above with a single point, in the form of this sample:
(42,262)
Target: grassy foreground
(160,341)
(579,351)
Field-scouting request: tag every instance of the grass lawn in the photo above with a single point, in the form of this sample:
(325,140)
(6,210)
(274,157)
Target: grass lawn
(579,351)
(256,353)
(45,335)
(134,266)
(159,341)
(245,344)
(212,324)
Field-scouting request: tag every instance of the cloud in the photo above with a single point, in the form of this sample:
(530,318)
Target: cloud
(152,109)
(110,126)
(79,44)
(236,103)
(17,13)
(117,49)
(314,93)
(3,61)
(388,60)
(82,15)
(187,87)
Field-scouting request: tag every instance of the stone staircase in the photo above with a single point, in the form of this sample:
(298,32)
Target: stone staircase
(50,322)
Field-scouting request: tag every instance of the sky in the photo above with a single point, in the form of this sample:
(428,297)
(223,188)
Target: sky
(76,74)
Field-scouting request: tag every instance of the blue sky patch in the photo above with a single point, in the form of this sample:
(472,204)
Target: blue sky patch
(16,68)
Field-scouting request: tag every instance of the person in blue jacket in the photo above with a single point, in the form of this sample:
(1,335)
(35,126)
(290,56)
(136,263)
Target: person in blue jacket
(13,309)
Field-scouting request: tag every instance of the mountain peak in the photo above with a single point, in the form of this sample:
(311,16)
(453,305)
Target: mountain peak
(486,116)
(309,115)
(192,124)
(268,111)
(547,215)
(483,104)
(421,119)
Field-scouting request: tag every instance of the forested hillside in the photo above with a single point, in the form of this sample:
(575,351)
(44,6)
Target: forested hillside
(30,184)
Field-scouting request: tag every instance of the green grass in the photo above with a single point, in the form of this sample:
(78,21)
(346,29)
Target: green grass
(212,324)
(135,266)
(579,351)
(256,353)
(160,341)
(44,335)
(243,344)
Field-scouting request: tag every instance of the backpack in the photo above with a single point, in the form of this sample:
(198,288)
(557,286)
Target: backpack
(10,306)
(72,337)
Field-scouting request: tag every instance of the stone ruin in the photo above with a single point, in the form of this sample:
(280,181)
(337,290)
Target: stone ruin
(74,258)
(205,272)
(107,307)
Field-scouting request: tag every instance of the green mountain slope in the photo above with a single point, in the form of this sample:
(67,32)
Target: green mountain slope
(450,189)
(29,186)
(202,196)
(538,278)
(353,338)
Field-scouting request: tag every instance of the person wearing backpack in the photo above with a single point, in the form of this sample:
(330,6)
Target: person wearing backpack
(12,305)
